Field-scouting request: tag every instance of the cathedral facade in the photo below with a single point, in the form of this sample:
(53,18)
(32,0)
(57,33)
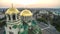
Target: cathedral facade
(20,22)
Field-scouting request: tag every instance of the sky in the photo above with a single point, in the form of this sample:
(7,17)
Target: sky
(30,3)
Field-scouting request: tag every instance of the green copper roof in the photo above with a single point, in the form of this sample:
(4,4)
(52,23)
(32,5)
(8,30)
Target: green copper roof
(15,26)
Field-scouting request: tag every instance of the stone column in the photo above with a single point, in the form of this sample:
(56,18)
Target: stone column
(24,18)
(19,17)
(7,18)
(16,16)
(11,18)
(6,30)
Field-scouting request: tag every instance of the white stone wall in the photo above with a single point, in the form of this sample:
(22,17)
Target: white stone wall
(15,31)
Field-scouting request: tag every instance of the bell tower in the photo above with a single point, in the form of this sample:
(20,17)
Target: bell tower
(12,21)
(30,23)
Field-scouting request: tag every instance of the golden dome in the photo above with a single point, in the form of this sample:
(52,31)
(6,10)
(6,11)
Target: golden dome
(12,11)
(26,13)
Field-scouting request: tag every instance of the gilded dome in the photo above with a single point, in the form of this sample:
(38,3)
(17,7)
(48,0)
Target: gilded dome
(26,13)
(12,11)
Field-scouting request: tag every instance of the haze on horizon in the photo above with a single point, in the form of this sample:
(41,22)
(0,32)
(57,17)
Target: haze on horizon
(30,3)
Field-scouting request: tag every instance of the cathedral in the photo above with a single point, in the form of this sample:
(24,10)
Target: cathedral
(20,22)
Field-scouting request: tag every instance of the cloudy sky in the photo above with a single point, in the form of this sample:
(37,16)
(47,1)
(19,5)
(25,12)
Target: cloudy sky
(30,3)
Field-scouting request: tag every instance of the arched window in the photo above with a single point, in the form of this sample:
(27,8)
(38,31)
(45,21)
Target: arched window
(9,27)
(13,16)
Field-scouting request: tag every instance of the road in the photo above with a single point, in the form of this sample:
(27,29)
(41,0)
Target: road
(48,29)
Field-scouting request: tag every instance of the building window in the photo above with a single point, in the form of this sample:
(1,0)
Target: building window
(9,27)
(13,17)
(11,33)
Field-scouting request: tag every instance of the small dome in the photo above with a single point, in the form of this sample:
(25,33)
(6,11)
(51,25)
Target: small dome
(12,11)
(26,13)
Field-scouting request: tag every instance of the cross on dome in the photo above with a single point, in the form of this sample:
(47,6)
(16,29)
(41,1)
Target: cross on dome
(12,11)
